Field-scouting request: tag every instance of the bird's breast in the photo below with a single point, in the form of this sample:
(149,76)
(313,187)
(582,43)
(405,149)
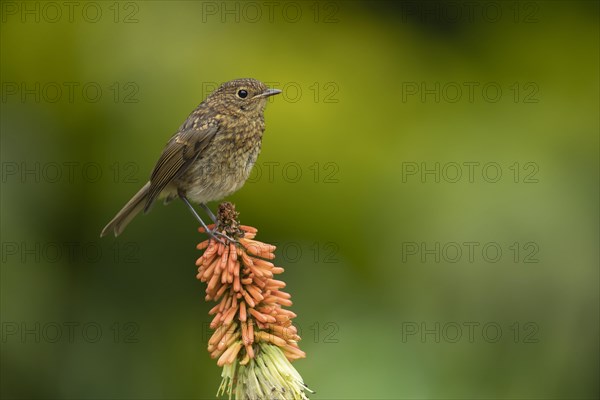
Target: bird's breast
(225,165)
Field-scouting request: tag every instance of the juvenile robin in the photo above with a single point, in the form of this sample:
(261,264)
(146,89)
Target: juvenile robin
(210,156)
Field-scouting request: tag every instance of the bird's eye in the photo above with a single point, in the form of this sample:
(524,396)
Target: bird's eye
(242,94)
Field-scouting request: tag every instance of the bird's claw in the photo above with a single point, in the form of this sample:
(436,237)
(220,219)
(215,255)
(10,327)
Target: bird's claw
(214,234)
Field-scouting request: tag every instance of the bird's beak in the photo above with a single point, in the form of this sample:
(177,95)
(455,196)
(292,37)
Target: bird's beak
(267,93)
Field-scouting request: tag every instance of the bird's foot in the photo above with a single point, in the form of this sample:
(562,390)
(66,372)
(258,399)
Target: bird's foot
(219,236)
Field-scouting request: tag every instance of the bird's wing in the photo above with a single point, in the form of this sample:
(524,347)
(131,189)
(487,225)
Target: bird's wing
(181,151)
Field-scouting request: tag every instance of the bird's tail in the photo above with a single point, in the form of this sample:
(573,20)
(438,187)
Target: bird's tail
(130,210)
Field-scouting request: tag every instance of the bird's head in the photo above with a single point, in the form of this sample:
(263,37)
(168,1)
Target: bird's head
(241,97)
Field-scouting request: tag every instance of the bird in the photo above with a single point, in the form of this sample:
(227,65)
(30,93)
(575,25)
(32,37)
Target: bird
(209,157)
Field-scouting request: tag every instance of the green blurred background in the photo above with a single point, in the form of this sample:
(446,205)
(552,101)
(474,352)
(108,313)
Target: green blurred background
(363,183)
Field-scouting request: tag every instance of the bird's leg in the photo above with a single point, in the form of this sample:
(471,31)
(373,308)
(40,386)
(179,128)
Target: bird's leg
(212,233)
(209,212)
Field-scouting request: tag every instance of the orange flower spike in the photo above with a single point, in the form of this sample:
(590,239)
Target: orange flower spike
(250,319)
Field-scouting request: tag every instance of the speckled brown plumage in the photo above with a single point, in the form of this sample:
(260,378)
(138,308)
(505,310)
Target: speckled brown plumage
(212,153)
